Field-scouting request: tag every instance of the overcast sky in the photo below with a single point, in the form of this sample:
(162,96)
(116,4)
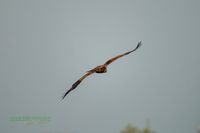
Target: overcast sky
(46,45)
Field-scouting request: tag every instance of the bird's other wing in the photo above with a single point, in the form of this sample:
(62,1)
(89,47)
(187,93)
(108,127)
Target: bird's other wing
(121,55)
(77,83)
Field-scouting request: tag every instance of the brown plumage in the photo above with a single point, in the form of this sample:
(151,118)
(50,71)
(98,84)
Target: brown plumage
(99,69)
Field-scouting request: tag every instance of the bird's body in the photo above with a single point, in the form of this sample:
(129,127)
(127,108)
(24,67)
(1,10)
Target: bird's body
(99,69)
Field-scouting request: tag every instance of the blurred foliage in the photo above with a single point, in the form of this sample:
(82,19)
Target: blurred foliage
(132,129)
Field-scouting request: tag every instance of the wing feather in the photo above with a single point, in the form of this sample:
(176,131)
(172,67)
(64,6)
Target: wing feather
(121,55)
(77,83)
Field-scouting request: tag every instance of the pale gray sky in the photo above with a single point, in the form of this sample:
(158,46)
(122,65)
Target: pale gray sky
(46,45)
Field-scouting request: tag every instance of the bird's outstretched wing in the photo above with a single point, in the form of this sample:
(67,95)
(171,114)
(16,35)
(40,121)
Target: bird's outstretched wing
(78,82)
(121,55)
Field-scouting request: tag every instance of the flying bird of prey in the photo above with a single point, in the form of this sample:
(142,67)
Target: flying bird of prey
(99,69)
